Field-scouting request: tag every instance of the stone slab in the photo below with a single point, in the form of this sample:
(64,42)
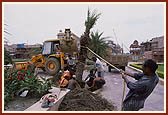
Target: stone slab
(54,90)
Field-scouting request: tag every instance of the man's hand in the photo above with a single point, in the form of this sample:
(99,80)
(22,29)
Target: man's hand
(127,73)
(122,72)
(124,77)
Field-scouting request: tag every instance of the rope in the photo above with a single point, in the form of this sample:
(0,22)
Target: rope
(104,60)
(123,95)
(114,68)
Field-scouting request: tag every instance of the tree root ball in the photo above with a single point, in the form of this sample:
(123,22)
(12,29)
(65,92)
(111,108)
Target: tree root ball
(84,100)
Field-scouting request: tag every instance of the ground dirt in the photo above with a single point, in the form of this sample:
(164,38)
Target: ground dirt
(21,103)
(84,100)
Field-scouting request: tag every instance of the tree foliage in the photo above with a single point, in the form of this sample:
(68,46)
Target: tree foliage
(98,43)
(92,18)
(7,57)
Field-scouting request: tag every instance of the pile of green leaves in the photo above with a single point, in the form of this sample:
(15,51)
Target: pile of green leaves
(17,82)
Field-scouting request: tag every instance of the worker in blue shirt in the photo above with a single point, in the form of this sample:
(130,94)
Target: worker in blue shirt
(142,88)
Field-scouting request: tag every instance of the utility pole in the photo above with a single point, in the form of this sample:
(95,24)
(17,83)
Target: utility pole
(122,42)
(115,36)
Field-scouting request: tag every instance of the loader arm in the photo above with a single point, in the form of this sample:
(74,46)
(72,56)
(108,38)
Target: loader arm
(38,61)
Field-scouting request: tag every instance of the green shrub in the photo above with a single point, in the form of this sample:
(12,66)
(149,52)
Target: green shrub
(7,57)
(161,74)
(136,66)
(17,82)
(90,63)
(161,67)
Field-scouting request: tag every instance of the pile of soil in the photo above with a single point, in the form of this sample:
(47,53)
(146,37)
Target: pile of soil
(84,100)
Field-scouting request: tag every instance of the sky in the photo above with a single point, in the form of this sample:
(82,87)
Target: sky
(33,23)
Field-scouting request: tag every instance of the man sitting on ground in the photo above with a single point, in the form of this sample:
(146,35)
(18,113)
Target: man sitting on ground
(64,80)
(97,83)
(91,77)
(73,83)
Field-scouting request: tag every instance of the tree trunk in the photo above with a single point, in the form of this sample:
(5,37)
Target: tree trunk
(79,71)
(82,57)
(84,42)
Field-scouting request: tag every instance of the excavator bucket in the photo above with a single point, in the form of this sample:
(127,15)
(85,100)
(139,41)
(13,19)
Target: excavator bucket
(20,65)
(69,43)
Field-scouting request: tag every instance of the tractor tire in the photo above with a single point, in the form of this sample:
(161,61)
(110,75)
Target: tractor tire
(109,68)
(31,67)
(52,66)
(123,68)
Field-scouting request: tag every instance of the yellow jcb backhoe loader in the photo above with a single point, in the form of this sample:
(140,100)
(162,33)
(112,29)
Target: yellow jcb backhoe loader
(51,60)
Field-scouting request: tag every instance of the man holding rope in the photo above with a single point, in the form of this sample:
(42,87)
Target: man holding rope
(142,88)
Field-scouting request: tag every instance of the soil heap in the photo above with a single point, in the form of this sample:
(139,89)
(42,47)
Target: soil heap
(84,100)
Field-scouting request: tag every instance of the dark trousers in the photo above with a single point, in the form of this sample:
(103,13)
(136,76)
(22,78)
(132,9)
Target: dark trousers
(131,105)
(99,83)
(89,83)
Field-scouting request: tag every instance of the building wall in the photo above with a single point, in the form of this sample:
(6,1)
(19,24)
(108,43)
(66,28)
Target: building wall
(135,51)
(153,49)
(160,41)
(21,52)
(148,55)
(10,48)
(158,56)
(136,58)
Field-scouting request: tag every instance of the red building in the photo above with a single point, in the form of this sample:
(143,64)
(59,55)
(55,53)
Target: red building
(153,49)
(135,48)
(135,51)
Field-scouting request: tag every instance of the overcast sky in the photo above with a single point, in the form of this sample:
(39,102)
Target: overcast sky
(34,23)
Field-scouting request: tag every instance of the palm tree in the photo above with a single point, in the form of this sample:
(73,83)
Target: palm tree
(92,17)
(98,44)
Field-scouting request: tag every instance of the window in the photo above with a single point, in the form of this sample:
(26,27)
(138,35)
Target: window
(46,48)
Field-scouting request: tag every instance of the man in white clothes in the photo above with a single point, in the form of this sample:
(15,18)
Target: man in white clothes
(99,67)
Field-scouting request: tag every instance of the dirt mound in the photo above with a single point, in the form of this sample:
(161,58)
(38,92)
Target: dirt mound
(84,100)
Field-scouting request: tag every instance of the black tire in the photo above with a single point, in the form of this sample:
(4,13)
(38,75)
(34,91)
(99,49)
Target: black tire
(123,68)
(31,67)
(52,66)
(43,69)
(109,68)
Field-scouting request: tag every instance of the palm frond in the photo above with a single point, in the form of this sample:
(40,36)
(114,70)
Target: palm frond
(92,17)
(98,44)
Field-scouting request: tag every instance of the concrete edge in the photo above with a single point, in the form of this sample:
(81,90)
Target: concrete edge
(161,81)
(37,106)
